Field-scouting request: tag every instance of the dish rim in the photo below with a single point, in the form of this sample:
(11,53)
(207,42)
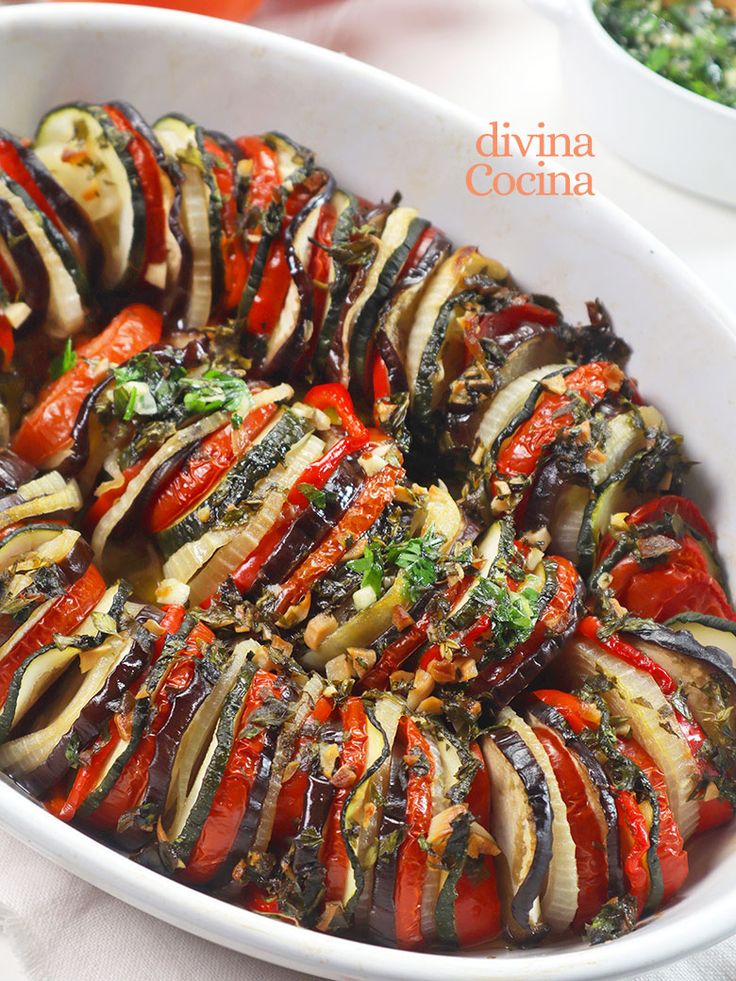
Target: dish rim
(239,929)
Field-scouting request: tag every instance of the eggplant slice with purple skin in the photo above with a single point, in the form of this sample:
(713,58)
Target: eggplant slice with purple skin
(521,824)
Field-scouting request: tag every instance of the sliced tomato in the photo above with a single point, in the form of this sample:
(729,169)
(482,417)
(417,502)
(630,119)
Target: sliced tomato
(146,165)
(131,784)
(672,504)
(374,495)
(204,468)
(553,412)
(88,775)
(290,805)
(670,849)
(230,801)
(47,428)
(590,845)
(232,244)
(12,164)
(7,342)
(353,755)
(62,617)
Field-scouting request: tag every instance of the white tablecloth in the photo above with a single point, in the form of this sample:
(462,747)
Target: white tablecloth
(497,59)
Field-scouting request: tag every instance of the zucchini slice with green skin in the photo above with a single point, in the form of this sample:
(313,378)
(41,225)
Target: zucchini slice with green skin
(347,213)
(363,332)
(191,809)
(25,539)
(358,824)
(388,255)
(68,292)
(87,154)
(183,142)
(268,451)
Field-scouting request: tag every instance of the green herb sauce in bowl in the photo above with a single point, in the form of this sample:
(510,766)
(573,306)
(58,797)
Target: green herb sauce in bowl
(690,42)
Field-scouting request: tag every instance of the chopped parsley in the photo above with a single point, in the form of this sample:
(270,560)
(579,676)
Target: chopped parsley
(418,558)
(63,362)
(316,495)
(214,390)
(514,613)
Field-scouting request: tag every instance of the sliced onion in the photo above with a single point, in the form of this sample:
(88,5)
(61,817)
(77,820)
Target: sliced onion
(47,483)
(196,431)
(637,697)
(196,222)
(560,897)
(509,402)
(24,754)
(624,437)
(188,760)
(65,313)
(68,498)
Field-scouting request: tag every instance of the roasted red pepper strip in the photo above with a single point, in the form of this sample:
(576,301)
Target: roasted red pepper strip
(201,471)
(504,322)
(411,862)
(578,714)
(372,498)
(520,453)
(7,342)
(12,164)
(317,474)
(336,396)
(381,379)
(63,617)
(353,756)
(672,856)
(105,501)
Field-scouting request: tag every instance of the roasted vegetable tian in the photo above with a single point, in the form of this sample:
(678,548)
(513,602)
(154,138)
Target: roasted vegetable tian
(339,576)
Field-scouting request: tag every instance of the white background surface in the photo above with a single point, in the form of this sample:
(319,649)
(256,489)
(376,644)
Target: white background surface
(499,60)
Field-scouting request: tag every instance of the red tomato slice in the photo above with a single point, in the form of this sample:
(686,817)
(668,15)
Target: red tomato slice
(353,755)
(672,504)
(105,501)
(146,165)
(590,845)
(130,786)
(290,803)
(520,453)
(230,802)
(47,428)
(232,245)
(62,617)
(201,471)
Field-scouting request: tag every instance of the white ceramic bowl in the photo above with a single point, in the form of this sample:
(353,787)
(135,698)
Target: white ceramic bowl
(661,127)
(378,134)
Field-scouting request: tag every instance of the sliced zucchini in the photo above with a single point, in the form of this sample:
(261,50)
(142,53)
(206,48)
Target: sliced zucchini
(88,155)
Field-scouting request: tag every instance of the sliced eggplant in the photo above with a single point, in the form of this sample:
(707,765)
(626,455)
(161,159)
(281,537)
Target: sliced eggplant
(521,823)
